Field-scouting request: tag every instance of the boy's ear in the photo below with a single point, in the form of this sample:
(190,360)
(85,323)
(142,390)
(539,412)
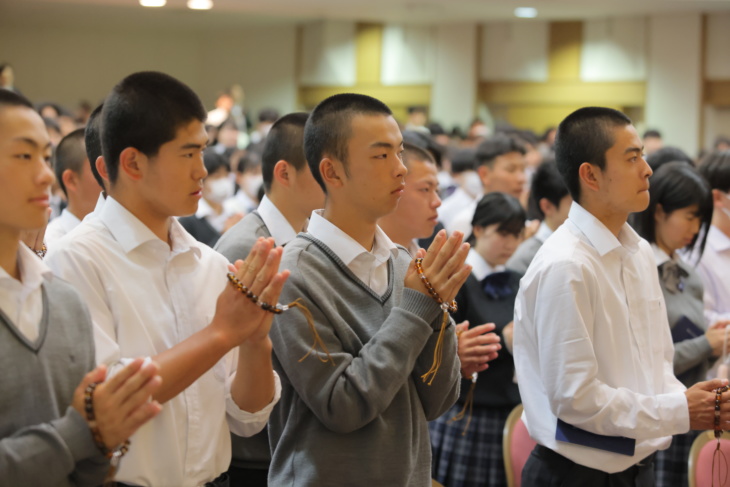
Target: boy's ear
(590,176)
(283,173)
(332,172)
(132,163)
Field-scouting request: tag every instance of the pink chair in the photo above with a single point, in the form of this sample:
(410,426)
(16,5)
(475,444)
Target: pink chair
(700,460)
(516,446)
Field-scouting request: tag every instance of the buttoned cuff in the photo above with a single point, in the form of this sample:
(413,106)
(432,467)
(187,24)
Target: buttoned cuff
(243,423)
(674,412)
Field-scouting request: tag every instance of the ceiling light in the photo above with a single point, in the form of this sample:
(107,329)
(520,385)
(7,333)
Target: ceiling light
(152,3)
(200,4)
(526,12)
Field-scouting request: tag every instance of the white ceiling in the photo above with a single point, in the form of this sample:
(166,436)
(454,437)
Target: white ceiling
(232,13)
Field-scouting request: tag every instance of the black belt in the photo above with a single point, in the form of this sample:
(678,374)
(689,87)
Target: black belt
(221,481)
(630,473)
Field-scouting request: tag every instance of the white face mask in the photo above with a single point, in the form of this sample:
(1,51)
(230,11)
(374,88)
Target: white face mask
(220,190)
(472,184)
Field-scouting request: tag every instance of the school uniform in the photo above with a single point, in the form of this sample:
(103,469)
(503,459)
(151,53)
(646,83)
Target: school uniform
(475,459)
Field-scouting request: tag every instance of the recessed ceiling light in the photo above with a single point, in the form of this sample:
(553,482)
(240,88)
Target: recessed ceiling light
(200,4)
(152,3)
(526,12)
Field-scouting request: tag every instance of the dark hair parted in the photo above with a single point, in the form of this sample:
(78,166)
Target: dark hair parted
(144,111)
(285,142)
(92,137)
(70,154)
(676,185)
(584,136)
(329,128)
(11,99)
(502,209)
(715,167)
(497,145)
(549,184)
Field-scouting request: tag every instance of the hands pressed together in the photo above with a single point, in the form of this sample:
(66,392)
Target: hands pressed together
(443,265)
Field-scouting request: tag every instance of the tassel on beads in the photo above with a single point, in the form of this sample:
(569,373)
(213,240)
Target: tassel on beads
(318,342)
(468,405)
(438,352)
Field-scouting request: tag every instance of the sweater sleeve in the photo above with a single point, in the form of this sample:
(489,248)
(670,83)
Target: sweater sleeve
(690,353)
(341,395)
(45,454)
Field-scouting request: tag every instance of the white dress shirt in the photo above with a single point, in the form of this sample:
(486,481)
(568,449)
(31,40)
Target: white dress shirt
(58,227)
(461,221)
(455,203)
(22,301)
(714,269)
(370,267)
(479,267)
(216,220)
(593,346)
(145,298)
(277,224)
(543,232)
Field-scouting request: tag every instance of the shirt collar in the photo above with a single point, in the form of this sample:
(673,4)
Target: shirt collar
(131,233)
(660,256)
(479,267)
(32,270)
(599,236)
(717,240)
(543,232)
(68,220)
(99,205)
(279,227)
(346,247)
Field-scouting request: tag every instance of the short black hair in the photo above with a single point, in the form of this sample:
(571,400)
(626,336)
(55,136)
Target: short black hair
(11,99)
(500,208)
(213,161)
(715,167)
(285,141)
(329,127)
(652,133)
(413,153)
(584,136)
(676,185)
(549,184)
(270,115)
(667,154)
(144,111)
(497,145)
(92,137)
(463,160)
(424,142)
(70,154)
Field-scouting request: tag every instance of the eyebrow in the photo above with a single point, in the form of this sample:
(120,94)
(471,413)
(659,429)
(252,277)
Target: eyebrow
(385,145)
(194,146)
(634,149)
(32,142)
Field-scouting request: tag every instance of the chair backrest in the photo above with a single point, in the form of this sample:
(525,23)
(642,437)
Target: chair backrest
(516,446)
(700,460)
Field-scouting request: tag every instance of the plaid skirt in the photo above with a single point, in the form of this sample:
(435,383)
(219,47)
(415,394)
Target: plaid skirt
(472,460)
(671,464)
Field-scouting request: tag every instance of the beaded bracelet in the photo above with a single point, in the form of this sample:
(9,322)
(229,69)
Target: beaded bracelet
(41,253)
(718,434)
(276,309)
(438,350)
(114,455)
(450,307)
(280,308)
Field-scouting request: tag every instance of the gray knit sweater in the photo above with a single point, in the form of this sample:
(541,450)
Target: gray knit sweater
(43,440)
(363,421)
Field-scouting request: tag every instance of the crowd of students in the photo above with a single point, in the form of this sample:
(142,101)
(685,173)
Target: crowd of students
(345,301)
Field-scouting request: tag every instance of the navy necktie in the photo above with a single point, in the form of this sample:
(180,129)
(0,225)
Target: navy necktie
(497,285)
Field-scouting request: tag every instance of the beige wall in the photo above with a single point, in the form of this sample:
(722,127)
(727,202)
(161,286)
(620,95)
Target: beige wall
(67,65)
